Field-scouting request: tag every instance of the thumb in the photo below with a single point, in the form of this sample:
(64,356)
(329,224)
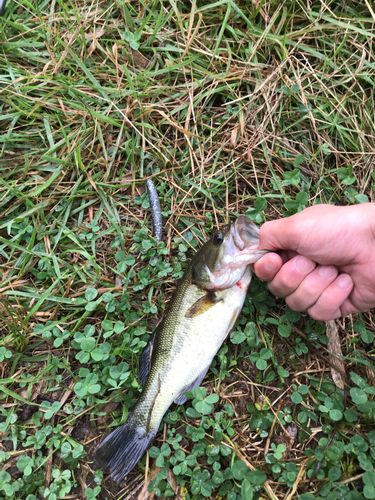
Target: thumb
(304,232)
(281,234)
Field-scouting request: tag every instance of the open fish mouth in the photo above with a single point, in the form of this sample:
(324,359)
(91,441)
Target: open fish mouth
(245,233)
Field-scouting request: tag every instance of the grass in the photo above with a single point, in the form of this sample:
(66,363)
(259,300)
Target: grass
(230,108)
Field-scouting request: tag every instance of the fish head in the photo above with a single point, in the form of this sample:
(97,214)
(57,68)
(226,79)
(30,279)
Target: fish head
(223,259)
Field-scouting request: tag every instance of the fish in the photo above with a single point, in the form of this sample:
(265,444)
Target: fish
(202,312)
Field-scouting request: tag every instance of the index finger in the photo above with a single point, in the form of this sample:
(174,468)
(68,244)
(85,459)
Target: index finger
(268,266)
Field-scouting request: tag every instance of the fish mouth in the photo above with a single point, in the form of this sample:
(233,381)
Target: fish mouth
(245,233)
(246,238)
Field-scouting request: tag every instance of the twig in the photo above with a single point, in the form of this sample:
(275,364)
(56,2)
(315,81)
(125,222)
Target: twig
(272,428)
(266,485)
(297,481)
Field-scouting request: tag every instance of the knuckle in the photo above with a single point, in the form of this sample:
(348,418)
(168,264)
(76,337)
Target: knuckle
(320,315)
(317,316)
(283,283)
(294,225)
(295,304)
(274,289)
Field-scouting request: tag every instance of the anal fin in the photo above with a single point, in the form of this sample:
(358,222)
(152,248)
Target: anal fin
(180,399)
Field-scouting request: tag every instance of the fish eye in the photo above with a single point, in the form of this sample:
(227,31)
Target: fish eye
(218,239)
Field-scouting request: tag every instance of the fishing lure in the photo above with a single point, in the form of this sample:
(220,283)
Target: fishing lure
(2,6)
(153,198)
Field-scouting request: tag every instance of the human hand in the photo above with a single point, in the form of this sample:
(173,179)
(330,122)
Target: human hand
(327,261)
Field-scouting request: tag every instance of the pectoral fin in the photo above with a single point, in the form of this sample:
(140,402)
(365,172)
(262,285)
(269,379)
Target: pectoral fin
(180,399)
(203,304)
(144,364)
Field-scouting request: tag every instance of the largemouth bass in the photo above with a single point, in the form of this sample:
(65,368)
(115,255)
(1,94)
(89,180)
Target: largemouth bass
(202,312)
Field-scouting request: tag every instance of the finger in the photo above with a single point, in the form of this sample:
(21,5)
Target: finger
(328,306)
(347,307)
(291,275)
(268,266)
(282,234)
(302,232)
(311,288)
(287,255)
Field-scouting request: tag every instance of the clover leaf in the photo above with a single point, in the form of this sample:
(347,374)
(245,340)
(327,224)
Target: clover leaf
(87,386)
(346,175)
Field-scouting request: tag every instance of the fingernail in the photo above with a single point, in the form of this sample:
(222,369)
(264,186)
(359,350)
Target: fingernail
(327,271)
(270,265)
(304,265)
(344,281)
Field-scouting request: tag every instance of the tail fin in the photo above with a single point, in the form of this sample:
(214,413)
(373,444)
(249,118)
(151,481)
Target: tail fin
(122,449)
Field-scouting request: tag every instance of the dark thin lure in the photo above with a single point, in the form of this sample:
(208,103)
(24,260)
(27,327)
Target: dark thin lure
(153,198)
(2,6)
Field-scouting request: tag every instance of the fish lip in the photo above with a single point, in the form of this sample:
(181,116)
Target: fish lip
(245,233)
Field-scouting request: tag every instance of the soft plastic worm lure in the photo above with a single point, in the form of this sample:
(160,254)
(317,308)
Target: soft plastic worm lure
(2,6)
(153,198)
